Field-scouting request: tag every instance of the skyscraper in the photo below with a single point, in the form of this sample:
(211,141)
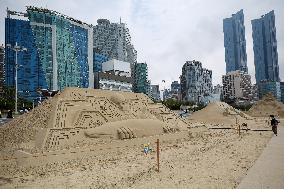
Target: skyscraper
(59,51)
(196,82)
(155,91)
(141,83)
(113,41)
(237,85)
(235,43)
(265,48)
(2,53)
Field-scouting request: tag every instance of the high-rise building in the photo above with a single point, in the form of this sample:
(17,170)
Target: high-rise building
(236,85)
(235,43)
(113,41)
(217,93)
(175,92)
(265,48)
(175,86)
(141,83)
(99,59)
(254,92)
(155,91)
(59,51)
(265,87)
(2,55)
(282,91)
(196,82)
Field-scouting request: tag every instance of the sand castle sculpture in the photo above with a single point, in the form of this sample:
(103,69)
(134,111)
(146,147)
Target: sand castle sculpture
(79,115)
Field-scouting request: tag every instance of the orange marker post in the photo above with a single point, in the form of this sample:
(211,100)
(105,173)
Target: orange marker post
(158,154)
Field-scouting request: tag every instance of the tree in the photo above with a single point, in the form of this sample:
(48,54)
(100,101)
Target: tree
(7,101)
(172,104)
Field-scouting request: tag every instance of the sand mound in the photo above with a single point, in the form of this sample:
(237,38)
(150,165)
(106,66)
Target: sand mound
(220,113)
(268,105)
(65,119)
(131,128)
(24,128)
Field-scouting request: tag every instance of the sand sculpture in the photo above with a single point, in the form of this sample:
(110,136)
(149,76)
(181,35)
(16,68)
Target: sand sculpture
(83,115)
(268,105)
(220,113)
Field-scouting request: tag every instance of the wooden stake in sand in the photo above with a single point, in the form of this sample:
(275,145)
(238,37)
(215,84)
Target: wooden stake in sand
(158,154)
(238,127)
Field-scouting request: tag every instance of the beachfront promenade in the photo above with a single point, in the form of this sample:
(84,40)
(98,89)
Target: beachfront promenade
(268,171)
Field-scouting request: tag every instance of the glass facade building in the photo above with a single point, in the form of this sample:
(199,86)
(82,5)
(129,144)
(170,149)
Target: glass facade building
(141,82)
(272,87)
(99,59)
(30,72)
(59,55)
(2,53)
(265,48)
(282,91)
(235,43)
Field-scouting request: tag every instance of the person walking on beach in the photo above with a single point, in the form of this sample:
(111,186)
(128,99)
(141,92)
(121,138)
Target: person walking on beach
(274,122)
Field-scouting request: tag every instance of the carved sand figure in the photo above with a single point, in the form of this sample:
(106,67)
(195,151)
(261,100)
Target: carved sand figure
(80,137)
(76,115)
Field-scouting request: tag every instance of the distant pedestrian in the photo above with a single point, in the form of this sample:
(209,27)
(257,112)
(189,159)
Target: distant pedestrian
(10,114)
(0,114)
(274,123)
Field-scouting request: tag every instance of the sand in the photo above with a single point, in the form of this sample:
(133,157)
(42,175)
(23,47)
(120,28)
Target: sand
(60,123)
(268,105)
(222,115)
(200,158)
(84,138)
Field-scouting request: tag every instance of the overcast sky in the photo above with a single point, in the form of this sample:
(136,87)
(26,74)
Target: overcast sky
(166,33)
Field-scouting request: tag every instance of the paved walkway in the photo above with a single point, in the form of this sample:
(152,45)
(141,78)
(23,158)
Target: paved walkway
(268,171)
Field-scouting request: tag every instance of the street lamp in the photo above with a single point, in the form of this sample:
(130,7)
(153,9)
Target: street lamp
(17,49)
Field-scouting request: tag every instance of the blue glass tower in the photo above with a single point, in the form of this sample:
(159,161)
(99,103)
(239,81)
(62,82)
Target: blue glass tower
(60,52)
(30,73)
(99,59)
(265,48)
(235,43)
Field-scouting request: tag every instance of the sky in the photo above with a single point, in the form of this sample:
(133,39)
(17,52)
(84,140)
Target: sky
(167,33)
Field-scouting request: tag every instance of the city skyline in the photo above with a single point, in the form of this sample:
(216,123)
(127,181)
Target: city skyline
(166,35)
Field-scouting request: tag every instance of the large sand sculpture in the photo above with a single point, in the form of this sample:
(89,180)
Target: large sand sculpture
(268,105)
(80,137)
(78,116)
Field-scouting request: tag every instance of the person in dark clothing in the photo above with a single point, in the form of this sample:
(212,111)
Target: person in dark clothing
(274,122)
(10,114)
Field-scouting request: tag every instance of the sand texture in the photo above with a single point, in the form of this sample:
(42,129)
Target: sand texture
(62,121)
(198,158)
(268,105)
(222,115)
(86,138)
